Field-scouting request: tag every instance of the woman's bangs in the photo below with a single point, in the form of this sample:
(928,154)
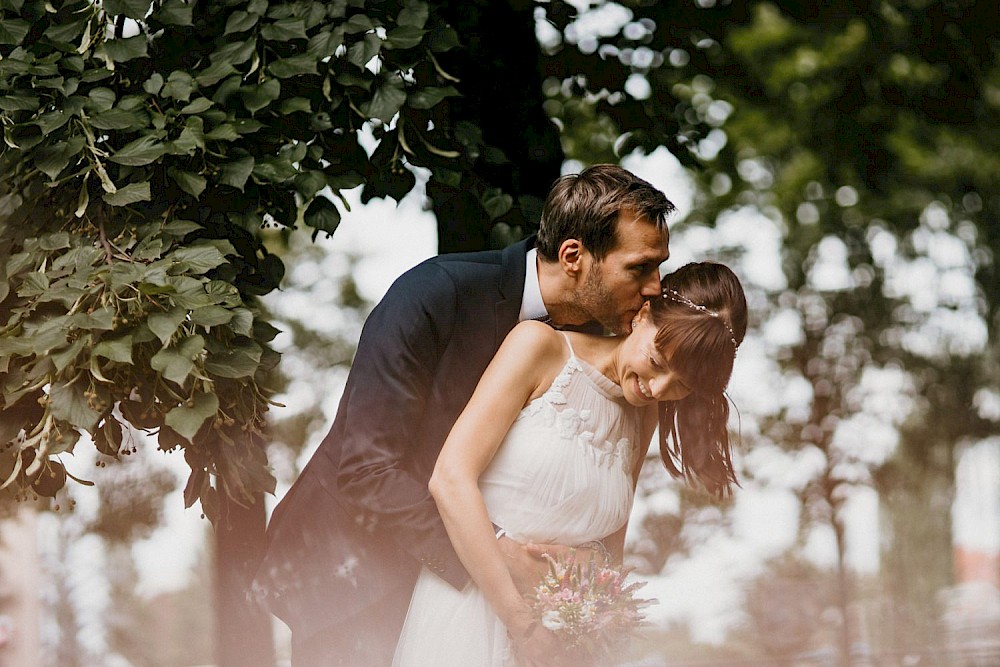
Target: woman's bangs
(699,352)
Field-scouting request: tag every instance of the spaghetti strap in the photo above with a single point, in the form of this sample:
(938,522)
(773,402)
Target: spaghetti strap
(572,353)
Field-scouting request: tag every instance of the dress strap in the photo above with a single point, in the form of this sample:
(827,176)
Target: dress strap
(572,353)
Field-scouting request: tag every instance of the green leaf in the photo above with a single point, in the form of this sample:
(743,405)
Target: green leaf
(179,86)
(115,349)
(240,22)
(126,48)
(294,104)
(344,181)
(176,12)
(196,486)
(189,182)
(134,9)
(242,322)
(102,319)
(18,262)
(65,295)
(70,405)
(404,37)
(386,101)
(198,258)
(142,151)
(119,119)
(101,99)
(234,53)
(165,324)
(425,98)
(108,438)
(199,105)
(33,284)
(256,98)
(236,173)
(359,23)
(192,137)
(214,73)
(224,132)
(222,292)
(130,194)
(51,160)
(19,103)
(15,347)
(175,364)
(276,170)
(496,203)
(284,30)
(237,362)
(363,51)
(13,31)
(187,419)
(9,203)
(154,84)
(52,121)
(211,316)
(363,79)
(413,14)
(64,357)
(443,39)
(322,215)
(308,183)
(180,227)
(287,67)
(325,44)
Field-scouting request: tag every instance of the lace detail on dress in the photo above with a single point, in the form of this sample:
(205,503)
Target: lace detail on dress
(571,423)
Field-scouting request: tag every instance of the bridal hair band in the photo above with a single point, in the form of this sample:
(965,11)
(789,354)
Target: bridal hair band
(674,295)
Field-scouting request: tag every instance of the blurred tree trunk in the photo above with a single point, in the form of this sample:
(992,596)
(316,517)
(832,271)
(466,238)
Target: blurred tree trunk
(501,83)
(244,634)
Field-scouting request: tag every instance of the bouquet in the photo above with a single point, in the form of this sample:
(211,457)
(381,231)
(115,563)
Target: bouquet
(591,606)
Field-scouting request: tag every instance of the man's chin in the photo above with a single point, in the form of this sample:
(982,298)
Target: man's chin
(619,328)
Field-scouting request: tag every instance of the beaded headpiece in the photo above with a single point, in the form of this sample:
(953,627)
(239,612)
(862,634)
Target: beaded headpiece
(674,295)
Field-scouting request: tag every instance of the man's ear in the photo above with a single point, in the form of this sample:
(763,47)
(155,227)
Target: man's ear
(571,255)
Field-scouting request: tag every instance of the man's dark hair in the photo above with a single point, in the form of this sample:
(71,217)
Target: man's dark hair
(586,206)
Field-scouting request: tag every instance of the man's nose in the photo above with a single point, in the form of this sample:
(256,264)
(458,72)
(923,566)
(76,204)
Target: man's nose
(651,286)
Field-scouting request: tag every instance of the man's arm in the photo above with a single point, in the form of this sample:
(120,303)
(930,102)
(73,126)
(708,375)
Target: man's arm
(383,405)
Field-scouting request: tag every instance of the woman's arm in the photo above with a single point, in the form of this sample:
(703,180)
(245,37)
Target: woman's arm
(522,369)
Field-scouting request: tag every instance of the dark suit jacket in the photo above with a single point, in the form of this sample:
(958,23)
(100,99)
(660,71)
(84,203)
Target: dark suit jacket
(357,524)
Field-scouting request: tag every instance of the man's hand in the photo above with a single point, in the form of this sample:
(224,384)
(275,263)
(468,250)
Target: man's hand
(527,567)
(527,563)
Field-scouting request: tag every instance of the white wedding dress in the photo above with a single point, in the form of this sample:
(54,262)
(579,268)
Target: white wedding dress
(561,476)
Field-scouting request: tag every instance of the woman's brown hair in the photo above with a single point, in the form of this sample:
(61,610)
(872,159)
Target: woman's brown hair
(701,320)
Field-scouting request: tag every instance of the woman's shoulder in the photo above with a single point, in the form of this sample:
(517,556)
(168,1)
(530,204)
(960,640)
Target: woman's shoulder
(535,345)
(536,335)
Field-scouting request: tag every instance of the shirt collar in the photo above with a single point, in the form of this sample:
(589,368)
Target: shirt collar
(532,306)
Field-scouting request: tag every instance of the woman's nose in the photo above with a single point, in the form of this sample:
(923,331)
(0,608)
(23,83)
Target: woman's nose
(659,385)
(668,387)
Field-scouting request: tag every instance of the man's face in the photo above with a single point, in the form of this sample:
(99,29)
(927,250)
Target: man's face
(614,289)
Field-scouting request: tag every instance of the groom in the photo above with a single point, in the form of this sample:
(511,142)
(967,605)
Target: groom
(348,539)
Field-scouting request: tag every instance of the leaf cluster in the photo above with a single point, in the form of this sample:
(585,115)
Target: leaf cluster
(145,145)
(139,331)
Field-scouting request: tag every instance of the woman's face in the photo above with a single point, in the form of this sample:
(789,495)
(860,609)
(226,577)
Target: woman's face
(646,376)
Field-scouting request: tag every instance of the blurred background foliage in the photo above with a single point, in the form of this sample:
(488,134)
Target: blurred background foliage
(862,134)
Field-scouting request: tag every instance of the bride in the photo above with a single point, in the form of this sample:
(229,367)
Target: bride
(549,449)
